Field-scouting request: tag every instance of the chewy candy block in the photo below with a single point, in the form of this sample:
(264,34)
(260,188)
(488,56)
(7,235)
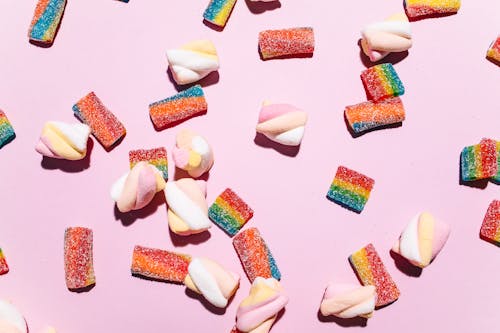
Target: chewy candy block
(160,264)
(479,161)
(6,130)
(218,11)
(382,81)
(255,256)
(4,268)
(156,156)
(47,17)
(104,125)
(286,42)
(416,8)
(490,229)
(368,115)
(496,178)
(494,50)
(78,259)
(371,271)
(350,189)
(230,212)
(179,107)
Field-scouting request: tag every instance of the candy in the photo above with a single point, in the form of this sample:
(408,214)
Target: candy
(255,256)
(6,130)
(63,141)
(177,108)
(416,8)
(156,156)
(11,320)
(494,50)
(193,61)
(218,11)
(49,329)
(382,81)
(350,189)
(4,268)
(286,42)
(160,264)
(230,212)
(479,161)
(78,260)
(106,128)
(46,20)
(282,123)
(490,229)
(192,153)
(348,301)
(369,115)
(371,271)
(496,178)
(422,239)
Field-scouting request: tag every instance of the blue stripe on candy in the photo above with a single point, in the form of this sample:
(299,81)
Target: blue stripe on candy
(275,272)
(213,9)
(6,134)
(46,19)
(195,91)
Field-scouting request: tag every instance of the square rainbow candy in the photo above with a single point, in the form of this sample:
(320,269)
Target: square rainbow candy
(7,133)
(230,212)
(106,128)
(156,156)
(371,271)
(479,161)
(350,189)
(46,20)
(218,11)
(494,50)
(179,107)
(255,255)
(369,115)
(286,42)
(382,81)
(490,229)
(496,178)
(416,8)
(160,264)
(78,258)
(4,268)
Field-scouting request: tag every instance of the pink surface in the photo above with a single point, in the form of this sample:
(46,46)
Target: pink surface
(118,51)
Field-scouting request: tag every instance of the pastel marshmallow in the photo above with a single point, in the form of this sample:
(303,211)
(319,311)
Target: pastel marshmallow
(63,141)
(282,123)
(11,320)
(348,301)
(192,153)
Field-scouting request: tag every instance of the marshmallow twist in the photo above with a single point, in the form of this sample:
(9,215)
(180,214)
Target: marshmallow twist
(11,320)
(192,153)
(282,123)
(348,301)
(63,141)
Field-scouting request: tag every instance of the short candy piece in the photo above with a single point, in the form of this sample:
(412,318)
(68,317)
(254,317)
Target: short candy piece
(155,156)
(230,212)
(6,130)
(78,259)
(416,8)
(371,271)
(382,81)
(63,141)
(282,123)
(11,320)
(479,161)
(218,11)
(350,189)
(490,229)
(160,264)
(422,239)
(46,20)
(494,50)
(255,255)
(106,128)
(286,42)
(179,107)
(193,61)
(348,301)
(369,115)
(192,153)
(4,268)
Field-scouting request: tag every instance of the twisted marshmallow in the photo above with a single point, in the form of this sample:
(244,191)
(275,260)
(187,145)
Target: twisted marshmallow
(136,188)
(208,278)
(193,61)
(282,123)
(422,239)
(257,312)
(187,206)
(192,153)
(348,301)
(11,320)
(63,141)
(381,38)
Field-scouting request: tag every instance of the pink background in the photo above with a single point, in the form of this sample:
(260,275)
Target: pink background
(118,50)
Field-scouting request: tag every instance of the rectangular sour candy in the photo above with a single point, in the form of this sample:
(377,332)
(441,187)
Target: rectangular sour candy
(494,50)
(286,42)
(78,258)
(179,107)
(479,161)
(371,271)
(382,81)
(496,177)
(156,156)
(160,264)
(416,8)
(7,133)
(255,255)
(106,128)
(230,212)
(218,11)
(350,189)
(46,20)
(490,229)
(369,115)
(4,268)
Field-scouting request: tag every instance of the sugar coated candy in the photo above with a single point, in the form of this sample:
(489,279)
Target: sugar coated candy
(218,11)
(286,42)
(382,81)
(155,156)
(46,20)
(371,271)
(160,264)
(496,178)
(255,255)
(4,268)
(78,258)
(179,107)
(345,300)
(350,189)
(192,153)
(490,229)
(63,141)
(7,133)
(230,212)
(11,320)
(105,127)
(282,123)
(370,115)
(494,50)
(479,161)
(417,8)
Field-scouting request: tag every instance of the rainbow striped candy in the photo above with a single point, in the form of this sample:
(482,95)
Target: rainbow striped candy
(382,81)
(218,11)
(230,212)
(46,19)
(369,115)
(416,8)
(350,189)
(479,161)
(490,229)
(155,156)
(7,133)
(496,178)
(494,50)
(160,264)
(4,268)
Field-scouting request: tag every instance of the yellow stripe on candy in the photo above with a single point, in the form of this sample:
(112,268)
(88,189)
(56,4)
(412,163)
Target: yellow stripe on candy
(384,80)
(362,265)
(224,205)
(358,190)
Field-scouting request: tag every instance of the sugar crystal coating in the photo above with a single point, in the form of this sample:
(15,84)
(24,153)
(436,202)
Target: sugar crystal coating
(369,115)
(494,50)
(78,258)
(350,189)
(155,156)
(490,229)
(382,81)
(286,42)
(4,268)
(7,133)
(230,212)
(416,8)
(218,11)
(46,20)
(160,264)
(479,161)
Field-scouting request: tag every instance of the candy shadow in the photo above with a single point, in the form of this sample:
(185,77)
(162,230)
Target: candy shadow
(262,141)
(9,140)
(393,57)
(49,163)
(288,56)
(260,7)
(152,279)
(343,322)
(206,304)
(195,239)
(207,81)
(479,184)
(177,122)
(357,135)
(489,240)
(82,290)
(405,266)
(428,16)
(180,174)
(48,45)
(496,62)
(127,219)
